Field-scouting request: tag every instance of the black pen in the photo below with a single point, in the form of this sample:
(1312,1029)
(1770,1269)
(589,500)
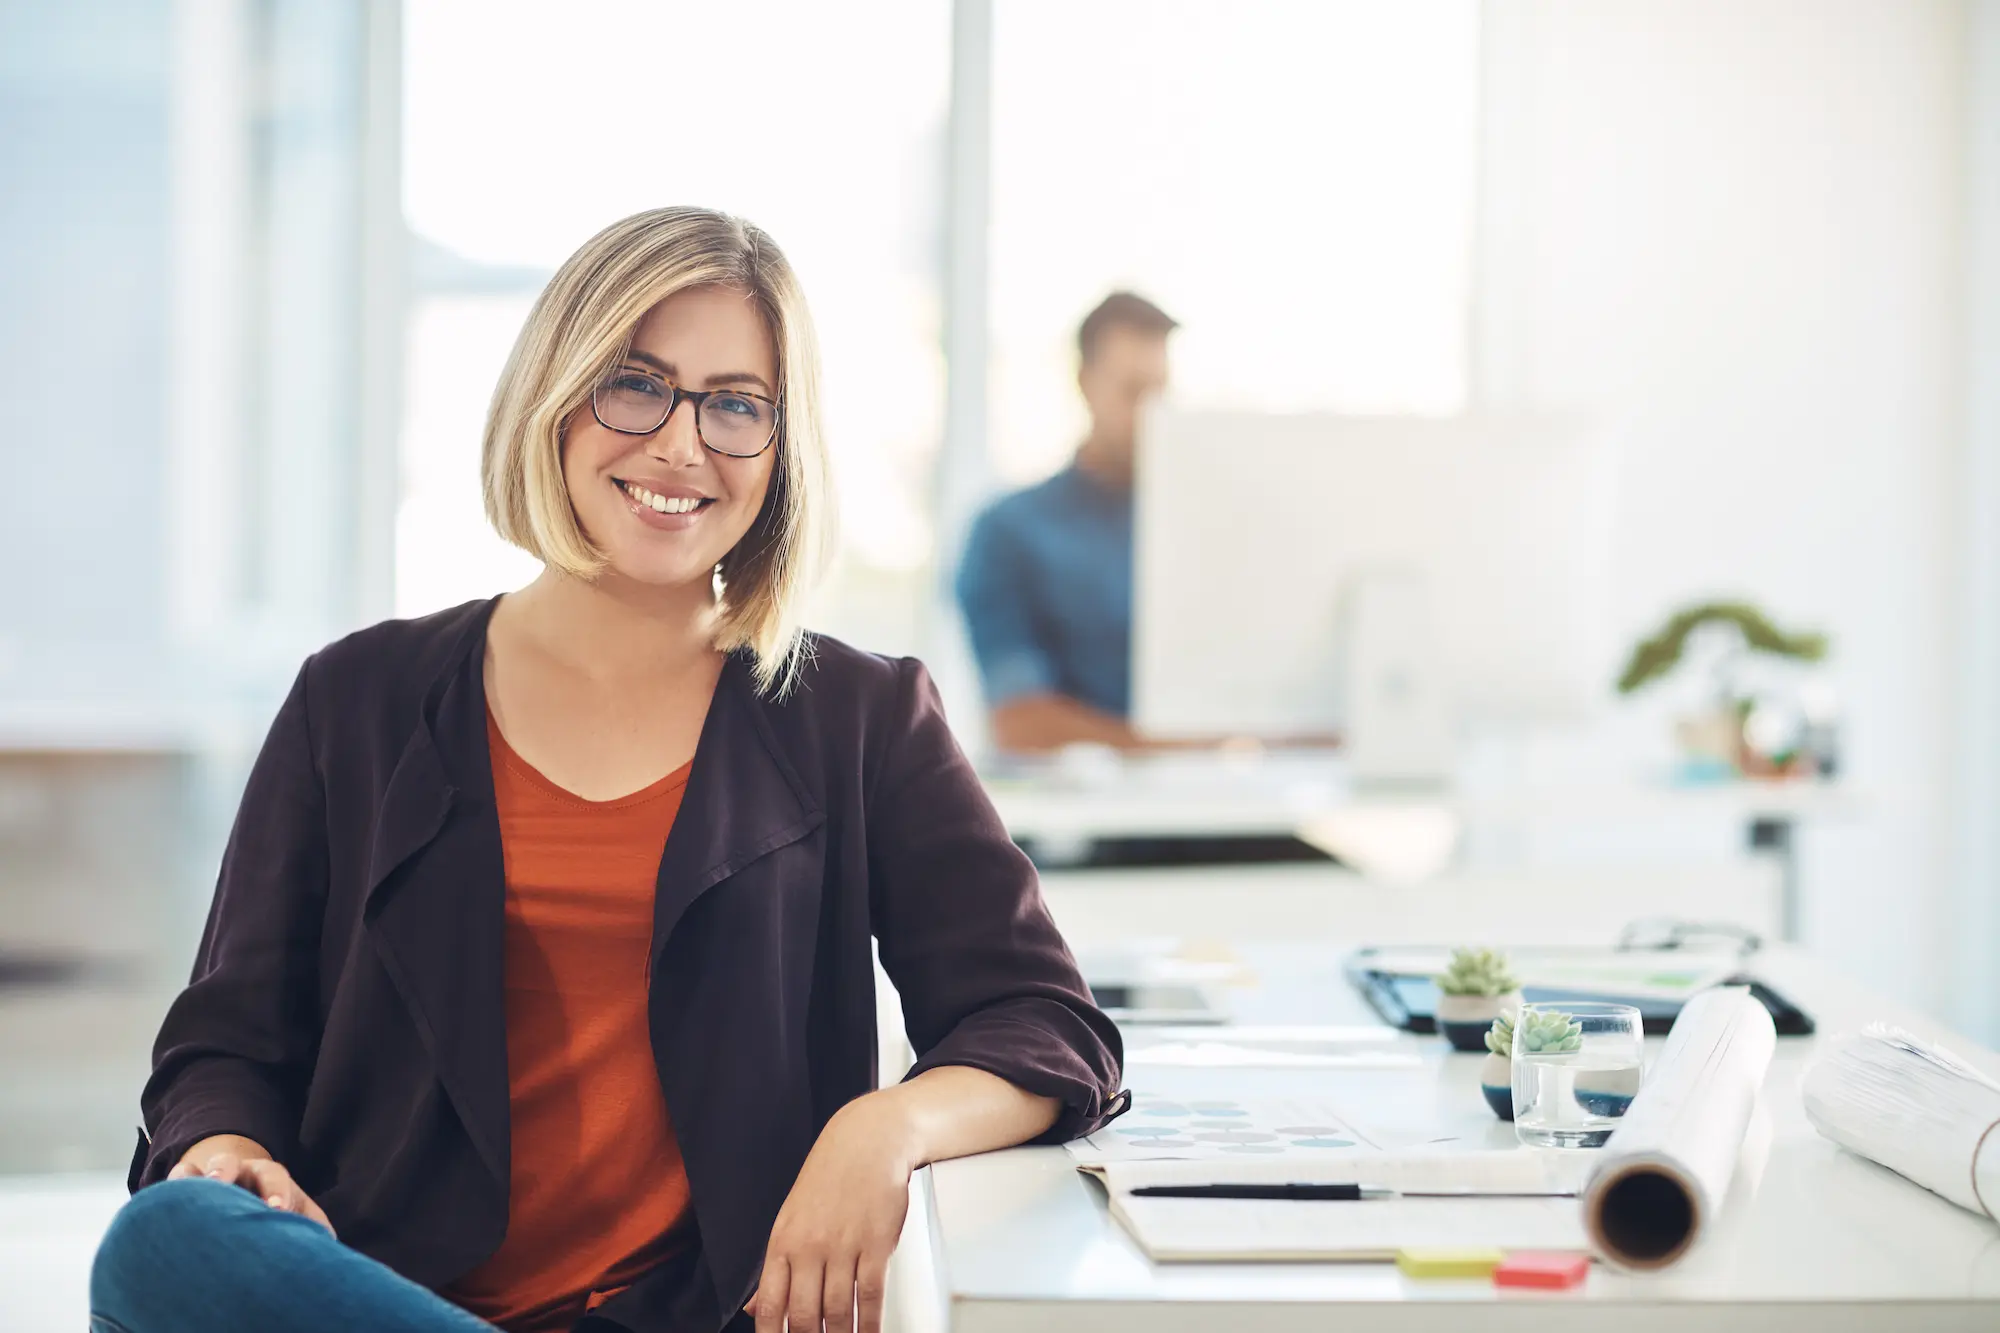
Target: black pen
(1316,1193)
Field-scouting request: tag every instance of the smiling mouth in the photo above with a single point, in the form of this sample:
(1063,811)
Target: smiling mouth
(662,504)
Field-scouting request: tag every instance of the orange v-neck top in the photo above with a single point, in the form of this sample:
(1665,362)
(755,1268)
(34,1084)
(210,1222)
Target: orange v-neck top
(596,1189)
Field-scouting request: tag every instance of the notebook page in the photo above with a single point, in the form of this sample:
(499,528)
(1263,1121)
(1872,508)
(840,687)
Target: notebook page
(1503,1171)
(1242,1230)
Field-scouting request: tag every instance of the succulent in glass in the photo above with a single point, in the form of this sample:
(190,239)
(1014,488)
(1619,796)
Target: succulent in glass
(1547,1032)
(1500,1037)
(1477,972)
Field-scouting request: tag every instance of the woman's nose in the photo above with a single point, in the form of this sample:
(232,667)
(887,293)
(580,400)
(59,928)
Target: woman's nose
(677,441)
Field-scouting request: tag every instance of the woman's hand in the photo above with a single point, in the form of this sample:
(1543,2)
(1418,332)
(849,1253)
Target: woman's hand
(829,1252)
(235,1160)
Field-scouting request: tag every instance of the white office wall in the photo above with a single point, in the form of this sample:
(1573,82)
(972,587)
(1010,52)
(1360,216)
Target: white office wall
(1731,232)
(1975,907)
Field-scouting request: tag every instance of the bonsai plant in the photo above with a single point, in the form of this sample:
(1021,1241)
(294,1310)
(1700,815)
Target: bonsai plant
(1653,658)
(1714,741)
(1543,1031)
(1474,990)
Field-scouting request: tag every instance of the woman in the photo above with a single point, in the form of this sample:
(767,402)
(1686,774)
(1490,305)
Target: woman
(465,1004)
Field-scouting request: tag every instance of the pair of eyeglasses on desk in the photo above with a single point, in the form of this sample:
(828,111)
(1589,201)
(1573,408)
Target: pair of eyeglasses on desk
(1662,934)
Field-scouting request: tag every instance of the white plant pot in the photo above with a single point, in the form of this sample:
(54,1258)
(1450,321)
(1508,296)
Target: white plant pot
(1464,1018)
(1496,1084)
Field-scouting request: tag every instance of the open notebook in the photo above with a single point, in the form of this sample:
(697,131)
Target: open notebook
(1473,1212)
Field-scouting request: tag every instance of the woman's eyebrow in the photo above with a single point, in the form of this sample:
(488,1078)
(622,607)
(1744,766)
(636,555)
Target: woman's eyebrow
(738,377)
(732,377)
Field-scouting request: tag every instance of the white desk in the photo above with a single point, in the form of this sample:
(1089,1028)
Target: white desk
(1275,794)
(1243,904)
(1226,795)
(1810,1238)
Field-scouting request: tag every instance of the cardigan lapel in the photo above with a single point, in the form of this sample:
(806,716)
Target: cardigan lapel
(743,801)
(722,985)
(437,896)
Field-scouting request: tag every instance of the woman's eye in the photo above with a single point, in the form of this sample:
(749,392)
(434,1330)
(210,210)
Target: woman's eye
(736,406)
(636,384)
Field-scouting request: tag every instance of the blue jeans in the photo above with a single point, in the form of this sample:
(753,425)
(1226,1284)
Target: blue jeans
(198,1256)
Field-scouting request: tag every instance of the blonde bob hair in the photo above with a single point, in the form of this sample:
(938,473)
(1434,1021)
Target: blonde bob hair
(581,327)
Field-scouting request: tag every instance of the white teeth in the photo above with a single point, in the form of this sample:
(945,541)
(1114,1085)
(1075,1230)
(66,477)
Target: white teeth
(661,504)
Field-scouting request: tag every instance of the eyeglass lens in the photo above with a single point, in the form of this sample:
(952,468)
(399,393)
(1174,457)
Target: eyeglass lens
(730,423)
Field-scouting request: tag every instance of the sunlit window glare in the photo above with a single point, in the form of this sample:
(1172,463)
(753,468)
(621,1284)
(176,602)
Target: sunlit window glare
(523,138)
(1293,182)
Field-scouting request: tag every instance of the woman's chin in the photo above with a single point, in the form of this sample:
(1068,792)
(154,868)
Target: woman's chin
(658,574)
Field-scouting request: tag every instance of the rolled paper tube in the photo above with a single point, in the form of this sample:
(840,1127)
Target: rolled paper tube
(1660,1180)
(1915,1108)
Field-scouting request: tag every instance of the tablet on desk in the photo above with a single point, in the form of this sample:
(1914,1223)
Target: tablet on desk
(1156,1002)
(1407,998)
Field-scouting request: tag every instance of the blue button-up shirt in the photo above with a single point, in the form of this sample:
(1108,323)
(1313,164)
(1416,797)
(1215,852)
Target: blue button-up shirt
(1046,587)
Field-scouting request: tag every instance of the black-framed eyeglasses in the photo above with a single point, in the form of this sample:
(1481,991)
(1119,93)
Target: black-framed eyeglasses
(733,422)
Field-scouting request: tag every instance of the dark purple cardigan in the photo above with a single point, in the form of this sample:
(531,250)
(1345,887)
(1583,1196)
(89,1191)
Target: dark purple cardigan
(346,1009)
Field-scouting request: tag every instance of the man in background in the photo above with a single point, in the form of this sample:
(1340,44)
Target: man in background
(1046,581)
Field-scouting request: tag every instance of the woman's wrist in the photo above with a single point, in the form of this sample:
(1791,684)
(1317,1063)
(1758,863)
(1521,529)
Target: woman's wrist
(891,1119)
(951,1111)
(203,1150)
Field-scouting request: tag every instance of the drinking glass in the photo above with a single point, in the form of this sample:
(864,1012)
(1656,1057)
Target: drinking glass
(1576,1070)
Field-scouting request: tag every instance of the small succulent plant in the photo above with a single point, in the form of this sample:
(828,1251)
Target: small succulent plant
(1547,1032)
(1476,972)
(1500,1037)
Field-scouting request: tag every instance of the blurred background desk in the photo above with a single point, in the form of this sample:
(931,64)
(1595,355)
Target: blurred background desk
(1061,813)
(1107,909)
(111,826)
(1809,1237)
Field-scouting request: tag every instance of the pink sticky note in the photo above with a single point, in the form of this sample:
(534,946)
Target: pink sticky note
(1548,1271)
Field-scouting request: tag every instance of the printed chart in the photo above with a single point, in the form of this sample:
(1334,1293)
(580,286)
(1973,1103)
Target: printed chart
(1158,1127)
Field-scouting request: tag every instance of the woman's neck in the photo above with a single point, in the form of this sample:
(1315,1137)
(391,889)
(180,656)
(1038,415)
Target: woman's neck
(613,629)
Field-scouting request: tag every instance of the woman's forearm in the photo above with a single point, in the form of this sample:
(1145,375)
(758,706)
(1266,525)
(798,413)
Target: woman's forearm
(953,1111)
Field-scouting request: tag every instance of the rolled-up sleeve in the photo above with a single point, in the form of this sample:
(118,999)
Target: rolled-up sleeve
(995,594)
(986,980)
(234,1053)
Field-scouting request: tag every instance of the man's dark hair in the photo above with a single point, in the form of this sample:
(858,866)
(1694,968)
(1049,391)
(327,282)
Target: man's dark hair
(1123,310)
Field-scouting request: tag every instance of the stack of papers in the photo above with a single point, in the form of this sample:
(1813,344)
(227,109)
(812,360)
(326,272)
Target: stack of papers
(1511,1199)
(1238,1046)
(1239,1055)
(1173,1230)
(1250,1130)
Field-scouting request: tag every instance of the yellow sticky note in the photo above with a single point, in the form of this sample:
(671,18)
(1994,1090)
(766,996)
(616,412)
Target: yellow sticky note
(1448,1263)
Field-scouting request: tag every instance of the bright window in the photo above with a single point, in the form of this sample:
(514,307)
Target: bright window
(523,138)
(1293,182)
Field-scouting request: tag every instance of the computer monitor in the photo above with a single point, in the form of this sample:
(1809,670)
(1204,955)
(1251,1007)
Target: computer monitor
(1266,546)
